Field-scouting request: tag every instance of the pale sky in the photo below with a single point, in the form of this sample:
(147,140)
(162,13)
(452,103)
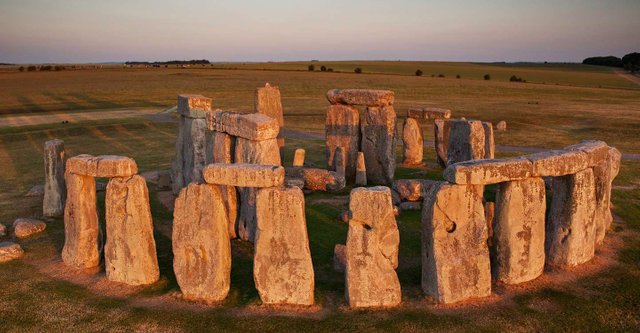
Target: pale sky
(63,31)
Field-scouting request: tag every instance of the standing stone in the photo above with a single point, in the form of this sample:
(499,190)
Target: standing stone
(466,141)
(604,174)
(518,231)
(252,152)
(201,246)
(379,143)
(268,102)
(361,171)
(570,228)
(80,222)
(282,268)
(191,152)
(339,257)
(442,129)
(55,190)
(412,148)
(342,129)
(298,157)
(221,149)
(489,217)
(489,142)
(372,250)
(339,162)
(130,249)
(455,256)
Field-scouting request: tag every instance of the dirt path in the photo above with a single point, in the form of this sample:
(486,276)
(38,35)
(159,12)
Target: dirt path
(631,77)
(18,120)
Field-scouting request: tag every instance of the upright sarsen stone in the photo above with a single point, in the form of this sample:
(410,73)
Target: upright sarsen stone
(191,152)
(80,223)
(55,191)
(282,268)
(466,141)
(442,129)
(342,129)
(489,142)
(378,144)
(130,249)
(604,173)
(412,148)
(455,256)
(201,246)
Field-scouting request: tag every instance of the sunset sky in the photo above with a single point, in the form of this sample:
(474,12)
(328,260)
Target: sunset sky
(66,31)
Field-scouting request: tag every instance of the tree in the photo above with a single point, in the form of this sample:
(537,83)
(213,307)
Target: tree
(358,70)
(458,76)
(419,72)
(487,77)
(311,68)
(21,68)
(631,61)
(610,61)
(323,68)
(31,68)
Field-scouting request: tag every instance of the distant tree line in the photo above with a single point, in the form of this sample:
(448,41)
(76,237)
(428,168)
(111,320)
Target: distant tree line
(630,62)
(171,62)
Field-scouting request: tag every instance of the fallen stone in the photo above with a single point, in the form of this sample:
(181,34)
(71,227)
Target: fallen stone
(250,126)
(570,229)
(558,162)
(455,256)
(409,205)
(298,157)
(365,97)
(442,130)
(10,251)
(339,257)
(412,148)
(193,106)
(130,249)
(282,268)
(244,175)
(378,144)
(24,228)
(342,129)
(37,191)
(55,190)
(80,222)
(501,126)
(518,231)
(372,250)
(489,142)
(220,148)
(361,171)
(413,189)
(466,141)
(429,113)
(597,151)
(317,179)
(104,166)
(482,172)
(201,246)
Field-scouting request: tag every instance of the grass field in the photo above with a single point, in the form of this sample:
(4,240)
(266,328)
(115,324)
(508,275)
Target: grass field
(38,294)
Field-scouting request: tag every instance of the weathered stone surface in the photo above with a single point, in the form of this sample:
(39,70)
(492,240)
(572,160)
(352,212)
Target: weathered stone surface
(413,189)
(614,157)
(317,179)
(570,228)
(481,172)
(252,152)
(339,162)
(342,129)
(164,180)
(130,249)
(24,228)
(603,179)
(244,175)
(268,102)
(55,191)
(372,250)
(282,268)
(410,205)
(191,152)
(250,126)
(339,257)
(3,230)
(429,113)
(455,256)
(361,170)
(489,142)
(442,130)
(80,222)
(518,231)
(558,162)
(220,148)
(489,216)
(597,151)
(365,97)
(501,126)
(201,246)
(10,251)
(298,157)
(378,144)
(466,141)
(193,106)
(104,166)
(294,182)
(412,148)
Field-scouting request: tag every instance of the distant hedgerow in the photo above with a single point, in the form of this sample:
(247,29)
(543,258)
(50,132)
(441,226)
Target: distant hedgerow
(419,72)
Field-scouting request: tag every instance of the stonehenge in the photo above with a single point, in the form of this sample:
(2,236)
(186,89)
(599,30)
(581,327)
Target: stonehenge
(412,148)
(379,143)
(342,129)
(268,102)
(54,186)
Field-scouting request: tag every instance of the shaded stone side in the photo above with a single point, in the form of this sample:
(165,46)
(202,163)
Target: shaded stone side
(361,170)
(378,144)
(570,227)
(191,152)
(282,268)
(201,246)
(130,249)
(442,129)
(517,254)
(220,148)
(55,191)
(412,148)
(489,142)
(455,256)
(342,129)
(80,223)
(466,141)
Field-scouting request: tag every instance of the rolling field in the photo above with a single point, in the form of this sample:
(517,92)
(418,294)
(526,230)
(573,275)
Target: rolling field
(38,294)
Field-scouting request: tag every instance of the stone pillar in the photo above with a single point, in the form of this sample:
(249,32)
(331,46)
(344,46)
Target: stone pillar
(221,149)
(570,229)
(455,256)
(372,250)
(268,102)
(412,148)
(361,171)
(339,162)
(517,254)
(604,174)
(466,141)
(282,268)
(130,249)
(342,129)
(379,143)
(80,223)
(201,246)
(298,157)
(442,129)
(489,142)
(55,191)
